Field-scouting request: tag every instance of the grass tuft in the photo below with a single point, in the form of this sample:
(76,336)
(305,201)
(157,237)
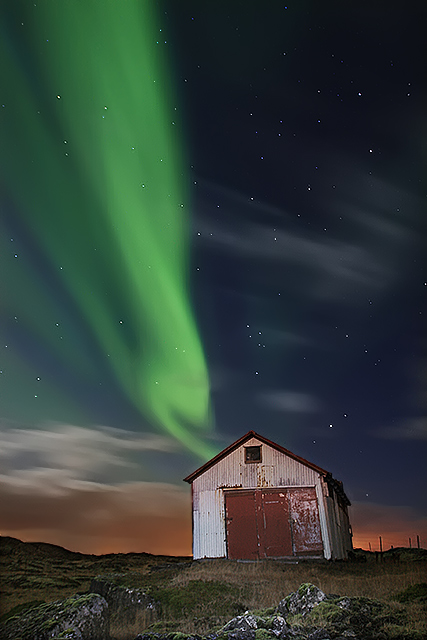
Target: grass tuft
(414,593)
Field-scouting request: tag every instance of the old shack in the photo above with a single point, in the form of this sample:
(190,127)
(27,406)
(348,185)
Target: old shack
(258,500)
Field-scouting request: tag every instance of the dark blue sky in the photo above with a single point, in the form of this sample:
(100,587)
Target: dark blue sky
(305,125)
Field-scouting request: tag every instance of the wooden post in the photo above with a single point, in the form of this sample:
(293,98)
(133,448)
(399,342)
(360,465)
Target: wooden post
(418,541)
(370,547)
(410,543)
(381,545)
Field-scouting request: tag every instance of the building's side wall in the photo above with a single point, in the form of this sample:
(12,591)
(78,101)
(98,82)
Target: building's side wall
(275,470)
(339,526)
(347,541)
(333,530)
(321,491)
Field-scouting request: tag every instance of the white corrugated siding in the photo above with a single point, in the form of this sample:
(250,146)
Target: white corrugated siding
(209,526)
(275,470)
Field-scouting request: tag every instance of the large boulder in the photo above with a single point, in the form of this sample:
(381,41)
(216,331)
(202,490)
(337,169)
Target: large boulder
(124,603)
(316,616)
(356,617)
(302,601)
(81,617)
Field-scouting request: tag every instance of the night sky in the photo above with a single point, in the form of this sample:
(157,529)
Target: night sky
(212,220)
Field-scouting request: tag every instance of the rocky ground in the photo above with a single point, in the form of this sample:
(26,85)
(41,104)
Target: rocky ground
(49,592)
(306,614)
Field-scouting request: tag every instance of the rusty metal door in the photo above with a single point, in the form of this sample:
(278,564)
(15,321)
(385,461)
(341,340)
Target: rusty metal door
(257,524)
(304,512)
(272,523)
(275,533)
(241,525)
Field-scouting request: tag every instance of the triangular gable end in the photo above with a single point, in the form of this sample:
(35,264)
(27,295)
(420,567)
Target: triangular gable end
(252,434)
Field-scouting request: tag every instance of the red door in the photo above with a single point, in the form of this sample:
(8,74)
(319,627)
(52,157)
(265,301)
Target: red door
(242,533)
(304,512)
(257,524)
(275,538)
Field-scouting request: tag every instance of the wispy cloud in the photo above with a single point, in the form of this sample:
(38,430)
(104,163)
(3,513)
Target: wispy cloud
(409,429)
(330,262)
(47,491)
(289,401)
(341,259)
(74,451)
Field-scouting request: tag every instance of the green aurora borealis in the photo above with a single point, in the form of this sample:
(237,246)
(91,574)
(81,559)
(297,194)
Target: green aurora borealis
(94,172)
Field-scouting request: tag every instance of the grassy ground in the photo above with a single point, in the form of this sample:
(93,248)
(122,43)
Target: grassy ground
(196,597)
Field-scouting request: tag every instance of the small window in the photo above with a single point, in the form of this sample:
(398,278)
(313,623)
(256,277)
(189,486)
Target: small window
(252,454)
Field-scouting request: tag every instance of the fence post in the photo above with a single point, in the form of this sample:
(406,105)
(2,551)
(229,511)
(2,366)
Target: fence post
(418,541)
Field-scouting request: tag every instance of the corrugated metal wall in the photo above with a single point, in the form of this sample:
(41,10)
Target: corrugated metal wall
(321,492)
(275,470)
(339,527)
(209,525)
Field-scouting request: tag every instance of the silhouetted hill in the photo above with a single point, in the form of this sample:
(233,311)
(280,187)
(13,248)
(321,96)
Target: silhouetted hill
(12,547)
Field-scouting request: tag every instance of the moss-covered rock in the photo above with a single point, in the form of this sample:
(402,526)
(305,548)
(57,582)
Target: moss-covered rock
(81,617)
(123,602)
(309,614)
(302,601)
(349,617)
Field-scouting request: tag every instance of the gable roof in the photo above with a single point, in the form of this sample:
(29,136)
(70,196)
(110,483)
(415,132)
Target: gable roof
(338,486)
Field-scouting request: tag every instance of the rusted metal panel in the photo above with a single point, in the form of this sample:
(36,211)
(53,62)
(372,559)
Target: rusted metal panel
(265,475)
(304,513)
(272,523)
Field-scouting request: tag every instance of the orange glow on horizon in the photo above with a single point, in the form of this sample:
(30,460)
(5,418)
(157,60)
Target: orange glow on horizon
(181,544)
